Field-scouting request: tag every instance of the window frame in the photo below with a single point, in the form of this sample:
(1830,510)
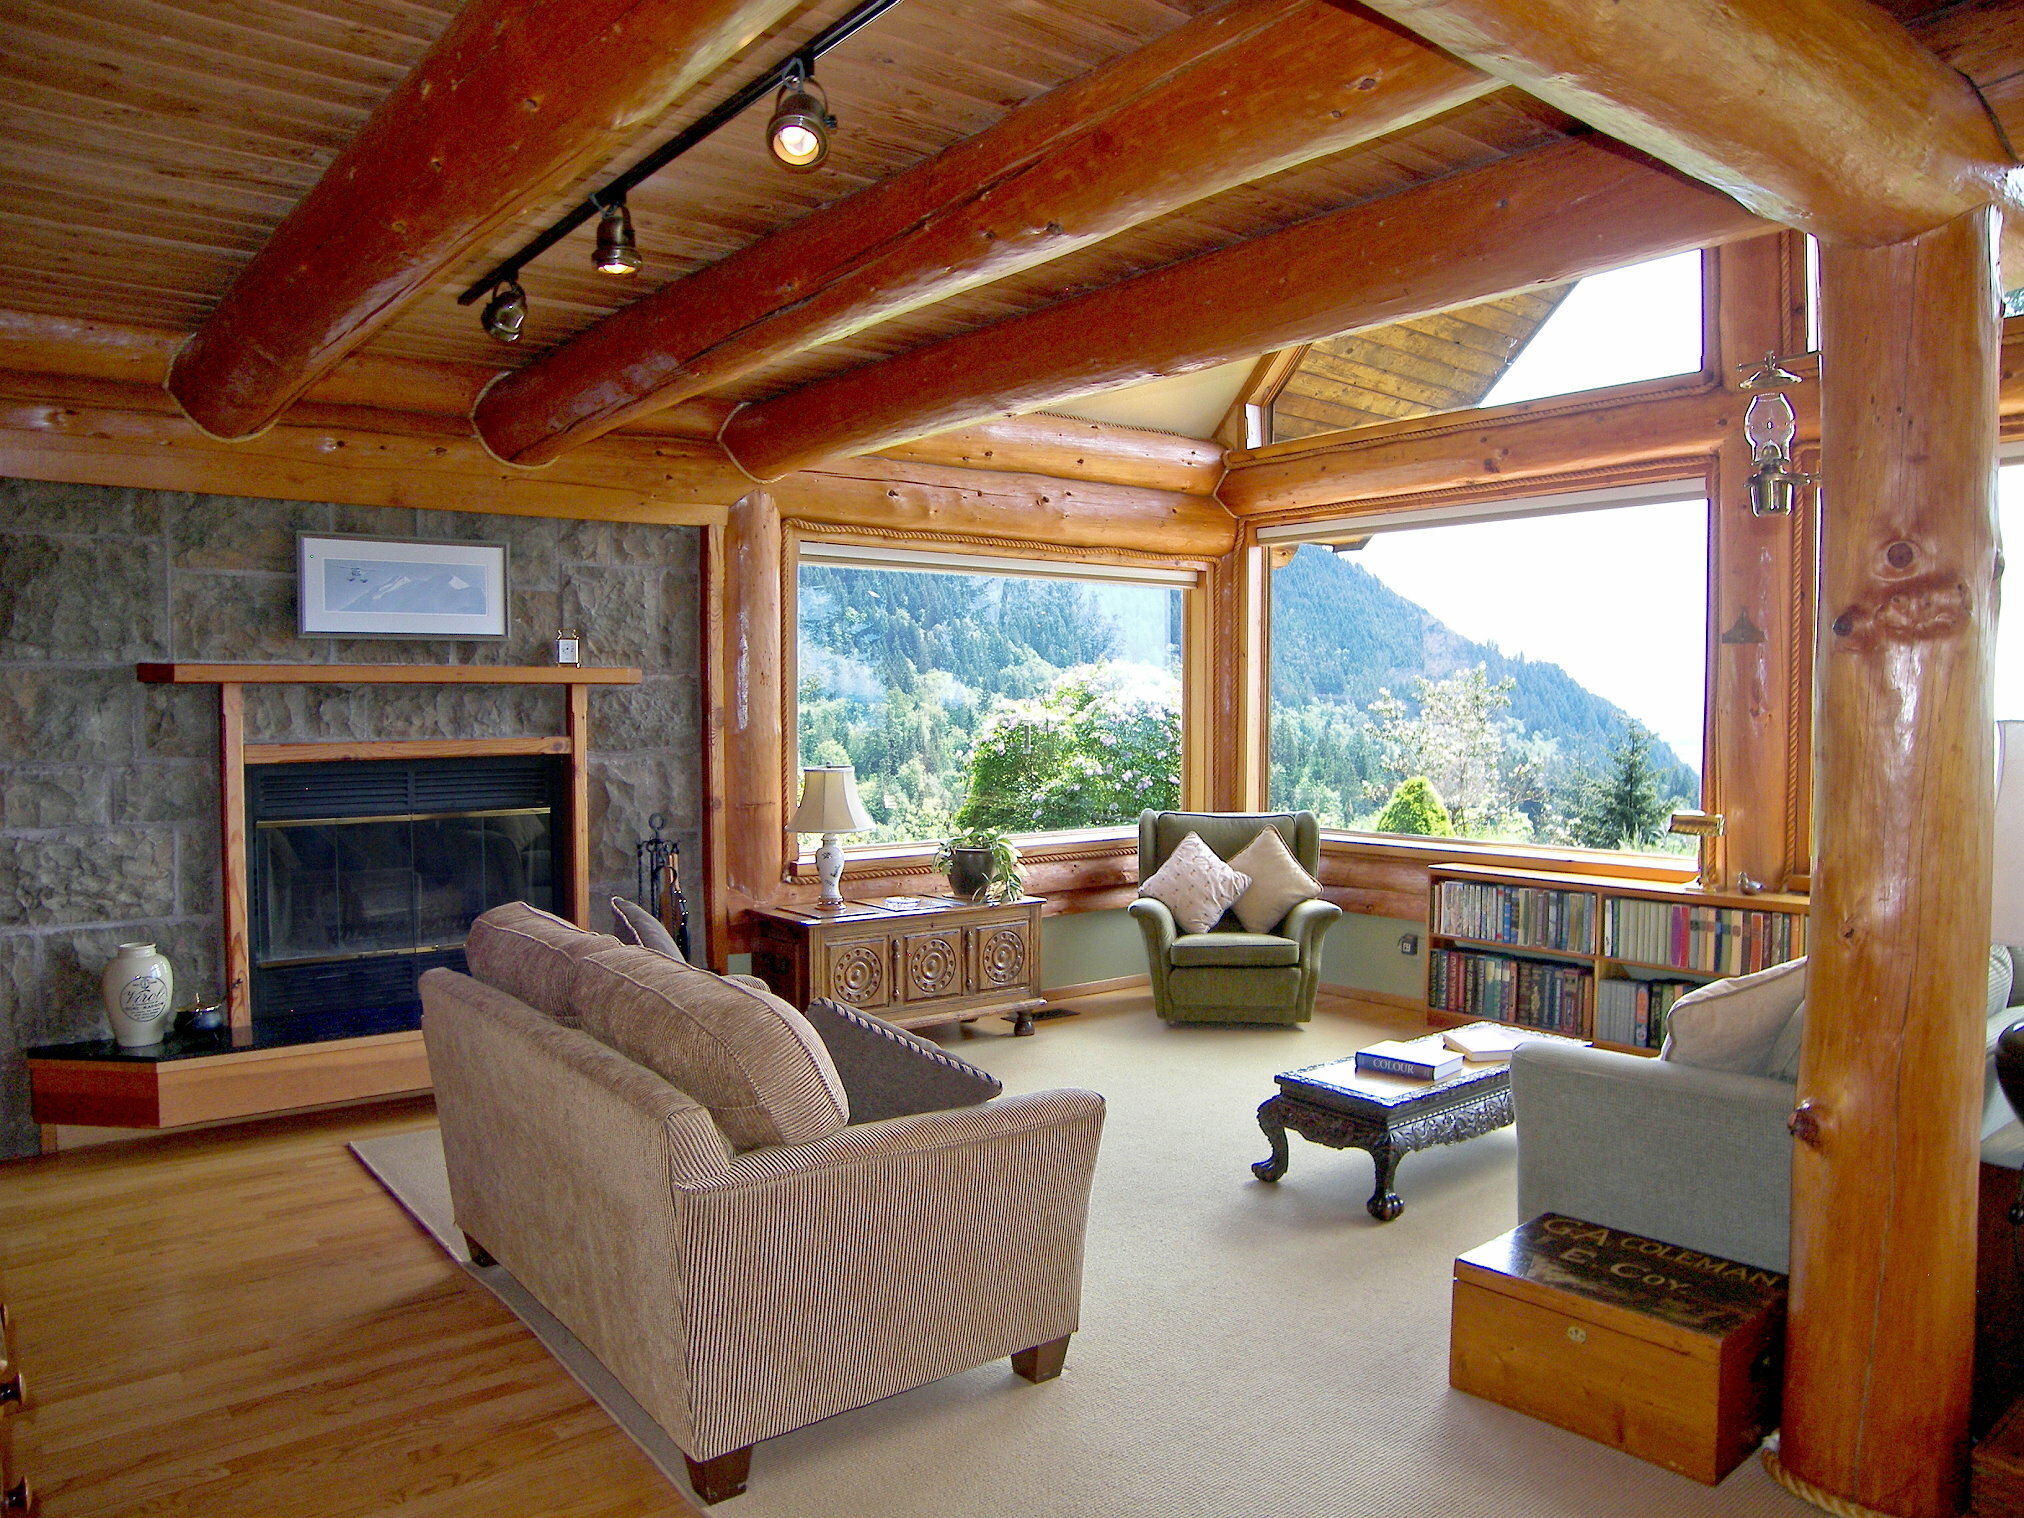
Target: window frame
(882,549)
(1514,503)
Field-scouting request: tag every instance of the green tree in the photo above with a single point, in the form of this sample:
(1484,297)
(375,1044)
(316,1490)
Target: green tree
(1624,807)
(1415,807)
(1102,743)
(1453,738)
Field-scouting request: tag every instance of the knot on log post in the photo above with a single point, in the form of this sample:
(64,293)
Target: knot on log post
(1919,611)
(1804,1124)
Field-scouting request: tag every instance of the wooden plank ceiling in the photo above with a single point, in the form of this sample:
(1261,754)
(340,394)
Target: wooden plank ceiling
(1445,362)
(151,146)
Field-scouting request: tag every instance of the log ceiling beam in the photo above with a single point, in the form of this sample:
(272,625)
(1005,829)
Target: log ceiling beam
(515,98)
(1245,91)
(1826,115)
(1062,447)
(1537,218)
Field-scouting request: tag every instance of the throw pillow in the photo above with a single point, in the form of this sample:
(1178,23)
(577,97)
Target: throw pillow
(1196,886)
(530,954)
(1783,1061)
(745,1054)
(1732,1024)
(887,1072)
(635,925)
(1278,883)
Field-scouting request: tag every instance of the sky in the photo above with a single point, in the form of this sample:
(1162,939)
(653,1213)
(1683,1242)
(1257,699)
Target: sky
(2010,626)
(1616,598)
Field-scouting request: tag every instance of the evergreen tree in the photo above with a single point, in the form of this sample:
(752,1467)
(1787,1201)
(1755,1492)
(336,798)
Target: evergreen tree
(1097,748)
(1624,808)
(1415,807)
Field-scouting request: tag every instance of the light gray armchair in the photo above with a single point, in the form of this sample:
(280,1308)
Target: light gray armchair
(1228,975)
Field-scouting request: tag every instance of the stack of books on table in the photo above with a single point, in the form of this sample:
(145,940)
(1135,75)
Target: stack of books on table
(1420,1059)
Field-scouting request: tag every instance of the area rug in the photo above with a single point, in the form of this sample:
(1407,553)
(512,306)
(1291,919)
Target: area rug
(1246,1348)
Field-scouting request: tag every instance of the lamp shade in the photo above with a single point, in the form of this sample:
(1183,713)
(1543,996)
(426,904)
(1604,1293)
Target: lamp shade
(2006,897)
(829,802)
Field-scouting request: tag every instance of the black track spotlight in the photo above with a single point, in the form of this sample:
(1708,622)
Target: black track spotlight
(798,134)
(616,252)
(506,311)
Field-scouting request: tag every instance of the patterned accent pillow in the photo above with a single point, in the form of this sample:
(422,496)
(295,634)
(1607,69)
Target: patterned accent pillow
(1278,883)
(745,1054)
(530,954)
(887,1072)
(635,925)
(1196,886)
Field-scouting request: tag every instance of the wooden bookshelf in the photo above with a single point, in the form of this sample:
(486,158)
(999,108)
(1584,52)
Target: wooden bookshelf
(1538,948)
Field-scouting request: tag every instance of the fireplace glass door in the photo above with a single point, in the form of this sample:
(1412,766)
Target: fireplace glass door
(366,874)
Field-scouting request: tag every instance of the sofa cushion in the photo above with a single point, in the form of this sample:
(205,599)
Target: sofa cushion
(745,1054)
(887,1072)
(1733,1024)
(1196,886)
(1278,884)
(633,924)
(530,954)
(1234,949)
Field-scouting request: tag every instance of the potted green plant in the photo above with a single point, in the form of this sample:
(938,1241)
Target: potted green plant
(982,864)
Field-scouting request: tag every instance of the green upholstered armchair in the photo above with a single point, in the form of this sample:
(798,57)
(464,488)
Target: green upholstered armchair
(1228,975)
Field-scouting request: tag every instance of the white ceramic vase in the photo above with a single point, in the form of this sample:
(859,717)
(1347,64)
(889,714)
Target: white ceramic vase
(138,987)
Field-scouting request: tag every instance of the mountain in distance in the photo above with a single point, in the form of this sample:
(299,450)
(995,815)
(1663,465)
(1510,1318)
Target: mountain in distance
(1340,636)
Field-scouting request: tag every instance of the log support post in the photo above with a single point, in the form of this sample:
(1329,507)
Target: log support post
(754,745)
(1884,1170)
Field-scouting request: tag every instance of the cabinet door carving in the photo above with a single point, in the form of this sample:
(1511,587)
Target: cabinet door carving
(931,965)
(854,972)
(999,955)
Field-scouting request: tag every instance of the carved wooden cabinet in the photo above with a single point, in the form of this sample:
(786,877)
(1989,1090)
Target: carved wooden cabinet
(940,960)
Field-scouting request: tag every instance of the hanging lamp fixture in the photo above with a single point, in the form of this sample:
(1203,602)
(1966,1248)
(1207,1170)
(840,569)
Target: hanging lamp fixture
(797,136)
(617,253)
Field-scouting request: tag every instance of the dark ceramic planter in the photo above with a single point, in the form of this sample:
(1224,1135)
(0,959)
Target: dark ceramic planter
(969,872)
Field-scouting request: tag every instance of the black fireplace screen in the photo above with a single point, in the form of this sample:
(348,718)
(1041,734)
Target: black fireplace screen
(365,873)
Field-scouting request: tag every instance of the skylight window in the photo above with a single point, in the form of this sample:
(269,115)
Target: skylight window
(1639,323)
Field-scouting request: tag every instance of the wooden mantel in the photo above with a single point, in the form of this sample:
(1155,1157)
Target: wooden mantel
(381,674)
(234,753)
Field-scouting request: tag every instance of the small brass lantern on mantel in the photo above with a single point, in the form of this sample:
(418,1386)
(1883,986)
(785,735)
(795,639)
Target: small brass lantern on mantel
(1707,827)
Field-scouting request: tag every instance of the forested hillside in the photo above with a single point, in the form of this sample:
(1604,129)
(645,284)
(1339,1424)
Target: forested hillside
(973,700)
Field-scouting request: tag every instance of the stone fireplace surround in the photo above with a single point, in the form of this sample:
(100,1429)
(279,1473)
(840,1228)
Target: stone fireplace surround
(108,788)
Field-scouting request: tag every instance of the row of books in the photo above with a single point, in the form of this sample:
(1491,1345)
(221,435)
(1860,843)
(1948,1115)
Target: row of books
(1529,915)
(1688,936)
(1528,992)
(1634,1011)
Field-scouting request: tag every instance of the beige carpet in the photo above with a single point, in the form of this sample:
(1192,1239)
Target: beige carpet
(1245,1349)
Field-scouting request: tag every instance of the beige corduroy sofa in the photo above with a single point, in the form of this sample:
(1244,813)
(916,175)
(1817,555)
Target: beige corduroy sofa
(738,1289)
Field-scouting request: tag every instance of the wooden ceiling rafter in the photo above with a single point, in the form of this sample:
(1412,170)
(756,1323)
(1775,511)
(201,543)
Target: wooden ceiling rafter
(1825,115)
(511,101)
(1047,179)
(1538,218)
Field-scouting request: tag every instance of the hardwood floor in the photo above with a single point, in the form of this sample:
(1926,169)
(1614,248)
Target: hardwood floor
(241,1322)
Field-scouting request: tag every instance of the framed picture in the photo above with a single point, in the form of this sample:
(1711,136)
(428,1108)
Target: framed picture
(359,587)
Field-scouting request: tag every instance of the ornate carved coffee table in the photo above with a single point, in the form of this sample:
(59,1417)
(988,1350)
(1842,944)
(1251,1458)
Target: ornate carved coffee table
(1334,1104)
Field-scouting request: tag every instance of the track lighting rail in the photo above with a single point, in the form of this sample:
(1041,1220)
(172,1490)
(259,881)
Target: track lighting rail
(798,64)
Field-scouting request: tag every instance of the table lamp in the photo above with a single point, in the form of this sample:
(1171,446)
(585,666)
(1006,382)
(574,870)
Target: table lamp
(829,806)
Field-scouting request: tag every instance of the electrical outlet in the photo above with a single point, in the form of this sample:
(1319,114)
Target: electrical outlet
(1409,944)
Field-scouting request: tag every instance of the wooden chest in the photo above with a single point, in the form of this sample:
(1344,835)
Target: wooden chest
(936,959)
(1667,1354)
